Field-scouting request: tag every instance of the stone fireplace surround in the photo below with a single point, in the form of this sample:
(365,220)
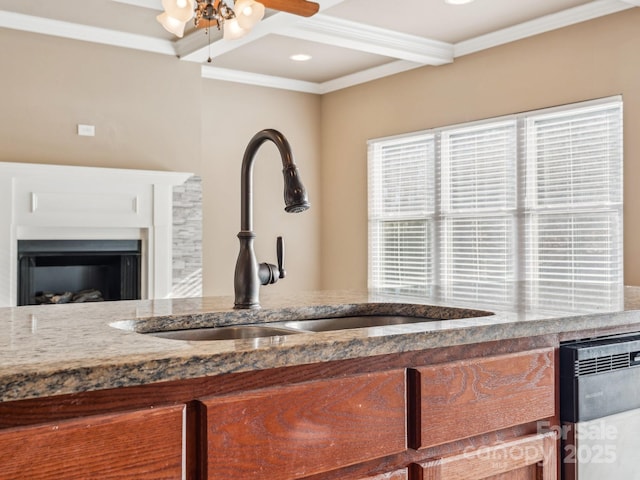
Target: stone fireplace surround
(56,202)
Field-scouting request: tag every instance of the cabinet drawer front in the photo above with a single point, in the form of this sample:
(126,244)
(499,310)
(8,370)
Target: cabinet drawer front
(531,457)
(462,399)
(299,430)
(145,445)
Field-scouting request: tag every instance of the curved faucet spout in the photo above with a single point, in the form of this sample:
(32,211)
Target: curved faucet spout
(249,274)
(295,195)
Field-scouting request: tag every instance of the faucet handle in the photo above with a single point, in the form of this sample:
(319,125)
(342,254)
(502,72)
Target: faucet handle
(280,255)
(269,273)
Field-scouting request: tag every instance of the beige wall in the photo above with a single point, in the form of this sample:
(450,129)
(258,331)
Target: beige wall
(589,60)
(242,112)
(155,112)
(49,85)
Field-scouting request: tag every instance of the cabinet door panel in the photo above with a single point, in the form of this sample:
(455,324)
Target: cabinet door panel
(532,457)
(462,399)
(300,430)
(144,444)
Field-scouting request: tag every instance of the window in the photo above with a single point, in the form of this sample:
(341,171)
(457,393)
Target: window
(476,208)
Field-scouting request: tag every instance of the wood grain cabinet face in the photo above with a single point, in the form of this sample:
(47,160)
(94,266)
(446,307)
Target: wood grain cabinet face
(299,430)
(532,457)
(143,444)
(461,399)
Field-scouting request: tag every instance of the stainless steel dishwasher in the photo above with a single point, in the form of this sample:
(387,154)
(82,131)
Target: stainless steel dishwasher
(600,408)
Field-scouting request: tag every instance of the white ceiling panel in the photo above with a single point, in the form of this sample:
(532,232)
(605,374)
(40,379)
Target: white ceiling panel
(448,23)
(327,62)
(351,41)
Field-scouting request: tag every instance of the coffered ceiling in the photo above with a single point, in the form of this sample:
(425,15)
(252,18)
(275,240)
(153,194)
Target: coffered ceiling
(349,41)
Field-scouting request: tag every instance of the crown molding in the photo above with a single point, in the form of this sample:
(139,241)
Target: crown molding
(258,79)
(368,75)
(57,28)
(366,38)
(544,24)
(410,51)
(269,81)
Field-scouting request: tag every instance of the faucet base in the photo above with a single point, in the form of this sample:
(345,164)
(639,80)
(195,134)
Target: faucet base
(246,280)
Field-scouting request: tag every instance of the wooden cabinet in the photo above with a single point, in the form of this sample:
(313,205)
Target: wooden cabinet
(408,416)
(142,444)
(532,457)
(299,430)
(461,399)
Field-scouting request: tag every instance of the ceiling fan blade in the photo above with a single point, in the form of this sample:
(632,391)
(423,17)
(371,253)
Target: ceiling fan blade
(303,8)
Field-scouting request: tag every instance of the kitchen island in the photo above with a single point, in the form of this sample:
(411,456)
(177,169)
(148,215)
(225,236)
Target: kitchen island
(450,394)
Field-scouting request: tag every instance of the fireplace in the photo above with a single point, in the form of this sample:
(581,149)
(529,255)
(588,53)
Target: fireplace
(66,271)
(160,212)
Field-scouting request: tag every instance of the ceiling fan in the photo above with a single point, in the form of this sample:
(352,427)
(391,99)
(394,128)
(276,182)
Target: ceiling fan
(235,21)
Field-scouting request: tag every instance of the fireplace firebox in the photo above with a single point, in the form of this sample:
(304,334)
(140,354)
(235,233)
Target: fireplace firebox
(63,271)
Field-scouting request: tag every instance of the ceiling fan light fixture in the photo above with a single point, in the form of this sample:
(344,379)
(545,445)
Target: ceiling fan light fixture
(232,30)
(181,10)
(248,13)
(235,21)
(171,24)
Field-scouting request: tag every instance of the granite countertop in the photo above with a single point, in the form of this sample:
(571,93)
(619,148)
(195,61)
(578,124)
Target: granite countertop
(61,349)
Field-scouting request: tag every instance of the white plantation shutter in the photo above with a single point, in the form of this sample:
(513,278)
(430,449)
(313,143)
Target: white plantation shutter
(475,208)
(401,204)
(574,206)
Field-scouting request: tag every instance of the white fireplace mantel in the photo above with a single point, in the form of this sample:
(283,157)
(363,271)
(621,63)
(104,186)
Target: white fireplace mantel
(74,203)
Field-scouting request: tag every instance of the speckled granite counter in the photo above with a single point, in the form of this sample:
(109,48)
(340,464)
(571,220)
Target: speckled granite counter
(60,349)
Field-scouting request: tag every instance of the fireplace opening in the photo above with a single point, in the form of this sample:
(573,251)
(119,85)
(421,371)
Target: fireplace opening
(66,271)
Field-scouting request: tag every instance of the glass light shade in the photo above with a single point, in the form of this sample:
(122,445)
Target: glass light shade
(232,30)
(248,13)
(171,24)
(181,10)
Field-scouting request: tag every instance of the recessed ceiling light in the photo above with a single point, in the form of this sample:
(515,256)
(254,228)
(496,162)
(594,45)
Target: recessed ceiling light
(458,2)
(300,57)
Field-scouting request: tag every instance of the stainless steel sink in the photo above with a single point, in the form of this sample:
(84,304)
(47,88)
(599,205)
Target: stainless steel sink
(288,327)
(224,333)
(345,323)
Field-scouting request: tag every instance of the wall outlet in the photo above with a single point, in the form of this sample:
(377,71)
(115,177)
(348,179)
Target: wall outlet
(86,130)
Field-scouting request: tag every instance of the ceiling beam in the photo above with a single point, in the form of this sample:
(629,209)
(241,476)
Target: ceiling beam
(270,81)
(368,75)
(75,31)
(237,76)
(366,38)
(329,31)
(320,28)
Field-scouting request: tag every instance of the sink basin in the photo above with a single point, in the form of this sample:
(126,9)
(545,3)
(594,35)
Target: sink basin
(385,316)
(345,323)
(224,333)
